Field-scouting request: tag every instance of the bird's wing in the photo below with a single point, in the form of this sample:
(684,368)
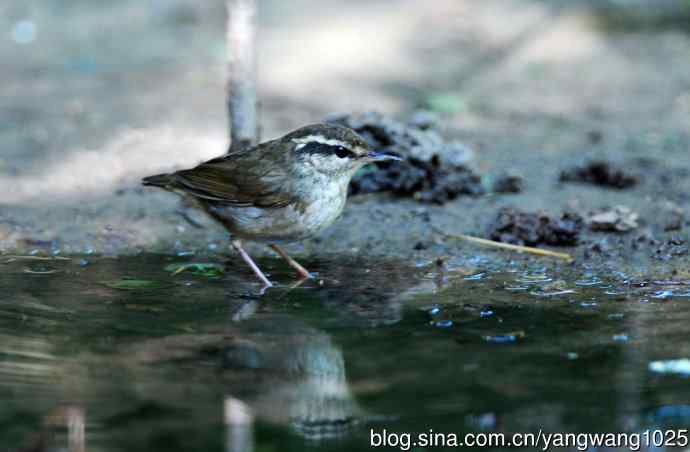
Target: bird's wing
(254,177)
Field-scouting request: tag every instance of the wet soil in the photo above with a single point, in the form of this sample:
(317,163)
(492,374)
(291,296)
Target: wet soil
(70,167)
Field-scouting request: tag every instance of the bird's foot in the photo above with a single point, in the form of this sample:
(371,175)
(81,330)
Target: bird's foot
(237,245)
(302,272)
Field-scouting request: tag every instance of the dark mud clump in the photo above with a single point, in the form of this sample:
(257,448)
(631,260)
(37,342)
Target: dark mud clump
(508,183)
(673,247)
(528,228)
(433,170)
(599,172)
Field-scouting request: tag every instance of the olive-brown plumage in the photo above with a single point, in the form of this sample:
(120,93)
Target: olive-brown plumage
(278,191)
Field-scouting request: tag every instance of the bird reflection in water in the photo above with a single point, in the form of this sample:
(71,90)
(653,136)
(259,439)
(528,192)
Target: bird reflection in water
(299,380)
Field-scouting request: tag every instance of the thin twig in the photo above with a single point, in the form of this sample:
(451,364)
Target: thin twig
(241,83)
(507,246)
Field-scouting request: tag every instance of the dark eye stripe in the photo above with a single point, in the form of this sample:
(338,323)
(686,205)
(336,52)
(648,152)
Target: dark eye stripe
(327,149)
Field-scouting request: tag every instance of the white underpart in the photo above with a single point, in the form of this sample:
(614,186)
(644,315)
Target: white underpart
(324,198)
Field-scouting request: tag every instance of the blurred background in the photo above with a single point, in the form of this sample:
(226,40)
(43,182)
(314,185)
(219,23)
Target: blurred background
(97,94)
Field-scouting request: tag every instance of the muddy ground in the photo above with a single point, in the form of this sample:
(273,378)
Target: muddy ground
(113,92)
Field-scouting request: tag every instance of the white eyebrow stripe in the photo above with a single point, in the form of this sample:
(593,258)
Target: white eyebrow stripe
(318,139)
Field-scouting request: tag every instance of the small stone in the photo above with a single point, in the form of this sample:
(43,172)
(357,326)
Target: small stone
(613,219)
(675,217)
(420,246)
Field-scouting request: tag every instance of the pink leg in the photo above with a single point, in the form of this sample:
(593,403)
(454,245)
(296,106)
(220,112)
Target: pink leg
(237,245)
(293,263)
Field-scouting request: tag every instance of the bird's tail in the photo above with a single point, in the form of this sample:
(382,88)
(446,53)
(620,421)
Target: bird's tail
(158,180)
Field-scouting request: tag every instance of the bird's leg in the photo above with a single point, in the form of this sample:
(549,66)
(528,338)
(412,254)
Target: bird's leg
(293,263)
(237,245)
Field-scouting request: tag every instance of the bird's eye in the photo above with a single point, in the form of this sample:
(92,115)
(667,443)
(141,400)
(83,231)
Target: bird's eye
(341,152)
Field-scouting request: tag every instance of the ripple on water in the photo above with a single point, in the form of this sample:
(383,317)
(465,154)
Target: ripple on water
(539,278)
(591,281)
(517,288)
(670,293)
(501,338)
(442,323)
(551,293)
(589,304)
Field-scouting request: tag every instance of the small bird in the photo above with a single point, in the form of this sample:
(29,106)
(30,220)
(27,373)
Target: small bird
(280,191)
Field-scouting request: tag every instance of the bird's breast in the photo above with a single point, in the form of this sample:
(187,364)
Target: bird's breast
(307,216)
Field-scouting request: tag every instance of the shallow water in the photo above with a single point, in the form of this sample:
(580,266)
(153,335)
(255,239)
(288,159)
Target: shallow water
(196,362)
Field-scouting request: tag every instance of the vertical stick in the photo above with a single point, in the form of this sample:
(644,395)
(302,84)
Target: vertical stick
(241,86)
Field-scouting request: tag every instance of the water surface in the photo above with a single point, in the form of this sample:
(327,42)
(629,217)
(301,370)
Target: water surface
(119,354)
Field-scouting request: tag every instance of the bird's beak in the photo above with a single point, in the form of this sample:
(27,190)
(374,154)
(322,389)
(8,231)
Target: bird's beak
(380,156)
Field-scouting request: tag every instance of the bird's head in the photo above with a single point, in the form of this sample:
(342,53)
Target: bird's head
(332,149)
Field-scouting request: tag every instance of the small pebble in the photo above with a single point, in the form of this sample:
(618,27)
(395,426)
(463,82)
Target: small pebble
(621,337)
(572,355)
